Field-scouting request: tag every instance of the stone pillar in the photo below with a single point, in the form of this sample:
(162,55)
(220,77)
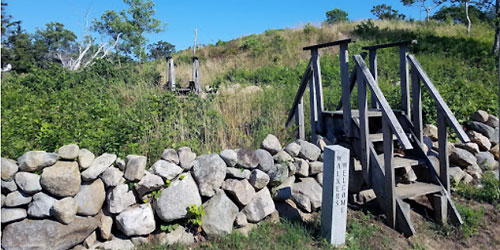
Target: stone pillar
(335,185)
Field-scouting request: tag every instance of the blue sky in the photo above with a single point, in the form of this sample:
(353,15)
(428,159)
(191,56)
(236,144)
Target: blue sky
(215,20)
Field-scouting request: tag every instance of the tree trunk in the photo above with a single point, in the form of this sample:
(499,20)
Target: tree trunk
(468,18)
(496,44)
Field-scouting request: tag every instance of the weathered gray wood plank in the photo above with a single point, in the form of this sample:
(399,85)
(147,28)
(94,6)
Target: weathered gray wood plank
(171,74)
(393,121)
(373,69)
(346,91)
(319,89)
(299,120)
(390,181)
(417,105)
(443,150)
(405,90)
(313,108)
(363,123)
(439,99)
(300,92)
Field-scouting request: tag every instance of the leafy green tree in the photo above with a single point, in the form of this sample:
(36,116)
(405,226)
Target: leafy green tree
(160,49)
(456,13)
(56,40)
(336,16)
(130,26)
(386,12)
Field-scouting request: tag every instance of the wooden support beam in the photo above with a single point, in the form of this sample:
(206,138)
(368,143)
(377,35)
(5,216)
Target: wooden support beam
(390,181)
(405,89)
(440,206)
(319,90)
(417,105)
(346,90)
(299,120)
(313,108)
(300,92)
(363,124)
(374,71)
(443,149)
(323,45)
(438,99)
(365,74)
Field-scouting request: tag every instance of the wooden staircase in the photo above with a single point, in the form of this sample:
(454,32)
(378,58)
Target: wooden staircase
(387,142)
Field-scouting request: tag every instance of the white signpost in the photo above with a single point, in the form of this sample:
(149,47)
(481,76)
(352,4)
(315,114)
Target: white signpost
(335,185)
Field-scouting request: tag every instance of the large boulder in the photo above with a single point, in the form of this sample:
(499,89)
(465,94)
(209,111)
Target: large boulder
(293,149)
(177,198)
(16,199)
(36,160)
(9,169)
(138,220)
(165,169)
(220,213)
(112,177)
(480,116)
(247,158)
(302,167)
(136,165)
(98,166)
(271,144)
(170,155)
(209,172)
(238,173)
(261,206)
(41,206)
(64,210)
(462,158)
(62,179)
(68,152)
(282,157)
(28,182)
(186,158)
(486,161)
(278,174)
(148,183)
(309,151)
(230,157)
(12,214)
(484,129)
(309,188)
(266,161)
(241,191)
(90,198)
(47,234)
(259,179)
(120,198)
(85,158)
(481,140)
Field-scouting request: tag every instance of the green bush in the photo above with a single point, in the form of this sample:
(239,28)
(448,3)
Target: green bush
(488,192)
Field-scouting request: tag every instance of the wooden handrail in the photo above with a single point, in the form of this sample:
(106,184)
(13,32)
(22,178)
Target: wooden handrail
(388,45)
(438,99)
(386,109)
(323,45)
(300,92)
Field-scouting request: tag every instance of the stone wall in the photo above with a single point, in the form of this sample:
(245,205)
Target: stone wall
(73,199)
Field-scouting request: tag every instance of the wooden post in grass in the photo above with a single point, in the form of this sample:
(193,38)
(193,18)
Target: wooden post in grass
(335,185)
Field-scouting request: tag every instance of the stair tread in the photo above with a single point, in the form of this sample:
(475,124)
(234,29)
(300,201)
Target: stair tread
(405,191)
(402,161)
(355,113)
(378,137)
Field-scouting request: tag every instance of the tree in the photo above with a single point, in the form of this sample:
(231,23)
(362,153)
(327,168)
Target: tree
(386,12)
(131,25)
(424,4)
(336,16)
(55,40)
(456,14)
(160,49)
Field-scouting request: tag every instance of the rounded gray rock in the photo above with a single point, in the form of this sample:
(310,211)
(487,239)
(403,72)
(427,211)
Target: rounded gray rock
(65,210)
(149,183)
(62,179)
(186,158)
(36,160)
(220,213)
(271,144)
(10,186)
(120,198)
(41,206)
(16,199)
(98,166)
(138,220)
(28,182)
(9,169)
(247,158)
(112,177)
(266,161)
(170,155)
(90,198)
(309,151)
(259,179)
(240,190)
(165,169)
(293,149)
(85,158)
(10,215)
(136,165)
(209,171)
(261,206)
(230,157)
(68,152)
(177,198)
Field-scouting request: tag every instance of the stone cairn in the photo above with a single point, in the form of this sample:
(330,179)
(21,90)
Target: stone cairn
(72,199)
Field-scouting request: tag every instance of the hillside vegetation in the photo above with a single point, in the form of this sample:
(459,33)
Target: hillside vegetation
(124,109)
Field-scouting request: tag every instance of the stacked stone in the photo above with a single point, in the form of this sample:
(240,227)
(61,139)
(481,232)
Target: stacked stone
(73,199)
(469,161)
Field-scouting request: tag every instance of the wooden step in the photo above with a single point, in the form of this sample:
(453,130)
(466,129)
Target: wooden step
(379,137)
(410,191)
(354,113)
(400,162)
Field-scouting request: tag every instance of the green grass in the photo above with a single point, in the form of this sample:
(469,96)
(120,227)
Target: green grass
(488,192)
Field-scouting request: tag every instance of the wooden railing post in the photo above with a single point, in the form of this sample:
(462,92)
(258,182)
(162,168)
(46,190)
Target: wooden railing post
(405,90)
(319,90)
(373,69)
(170,74)
(346,91)
(363,122)
(299,120)
(417,104)
(443,149)
(313,106)
(390,195)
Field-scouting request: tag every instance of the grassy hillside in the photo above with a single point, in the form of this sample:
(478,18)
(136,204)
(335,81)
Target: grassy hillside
(123,109)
